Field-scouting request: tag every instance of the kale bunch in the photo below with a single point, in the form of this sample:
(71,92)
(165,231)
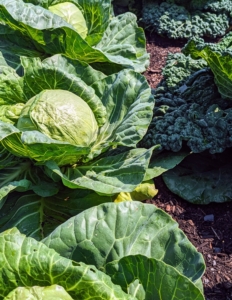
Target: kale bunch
(189,110)
(184,19)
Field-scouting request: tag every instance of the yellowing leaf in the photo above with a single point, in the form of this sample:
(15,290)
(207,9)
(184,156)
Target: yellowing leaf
(145,190)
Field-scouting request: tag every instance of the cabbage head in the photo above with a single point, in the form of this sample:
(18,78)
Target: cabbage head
(76,125)
(60,115)
(72,15)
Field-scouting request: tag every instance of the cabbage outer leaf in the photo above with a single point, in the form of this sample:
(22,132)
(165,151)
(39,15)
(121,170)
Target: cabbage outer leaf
(163,162)
(202,178)
(159,280)
(105,234)
(129,107)
(37,216)
(108,175)
(37,146)
(37,292)
(26,262)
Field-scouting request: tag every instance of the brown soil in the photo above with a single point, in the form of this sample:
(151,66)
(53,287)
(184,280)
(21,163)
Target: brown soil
(212,239)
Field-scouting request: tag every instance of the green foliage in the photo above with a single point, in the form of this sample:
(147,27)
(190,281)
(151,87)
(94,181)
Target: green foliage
(193,111)
(37,292)
(37,31)
(189,110)
(134,6)
(202,178)
(110,251)
(218,58)
(181,19)
(47,130)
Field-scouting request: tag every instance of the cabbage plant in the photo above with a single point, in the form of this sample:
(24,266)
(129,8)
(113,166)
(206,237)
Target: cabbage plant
(83,30)
(71,127)
(128,250)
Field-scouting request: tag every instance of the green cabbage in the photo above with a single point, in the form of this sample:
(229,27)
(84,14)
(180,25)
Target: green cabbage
(72,15)
(61,115)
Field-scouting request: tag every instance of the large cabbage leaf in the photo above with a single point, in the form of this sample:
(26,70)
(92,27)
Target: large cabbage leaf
(27,263)
(149,278)
(108,175)
(38,146)
(110,233)
(202,178)
(37,216)
(121,44)
(98,237)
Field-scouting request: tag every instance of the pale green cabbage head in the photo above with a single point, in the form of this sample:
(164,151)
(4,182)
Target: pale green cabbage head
(72,15)
(61,115)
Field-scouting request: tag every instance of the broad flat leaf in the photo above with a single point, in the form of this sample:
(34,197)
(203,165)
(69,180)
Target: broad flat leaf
(36,292)
(7,159)
(159,280)
(11,85)
(202,178)
(129,106)
(108,175)
(21,175)
(220,64)
(97,15)
(26,263)
(14,46)
(21,185)
(109,232)
(118,42)
(163,162)
(37,216)
(14,177)
(51,34)
(37,146)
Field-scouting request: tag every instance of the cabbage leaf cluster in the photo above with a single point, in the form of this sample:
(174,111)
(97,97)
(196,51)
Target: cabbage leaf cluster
(83,30)
(122,251)
(70,119)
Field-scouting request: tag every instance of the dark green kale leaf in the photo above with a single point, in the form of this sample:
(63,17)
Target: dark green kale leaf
(191,113)
(185,19)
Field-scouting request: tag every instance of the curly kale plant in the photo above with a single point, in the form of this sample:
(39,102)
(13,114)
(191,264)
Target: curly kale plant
(189,111)
(182,19)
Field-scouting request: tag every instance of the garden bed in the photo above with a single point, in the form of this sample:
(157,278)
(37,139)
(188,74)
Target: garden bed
(212,239)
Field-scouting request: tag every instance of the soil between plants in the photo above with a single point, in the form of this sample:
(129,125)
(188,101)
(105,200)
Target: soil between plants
(213,239)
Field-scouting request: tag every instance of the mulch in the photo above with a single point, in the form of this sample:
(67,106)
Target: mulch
(212,238)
